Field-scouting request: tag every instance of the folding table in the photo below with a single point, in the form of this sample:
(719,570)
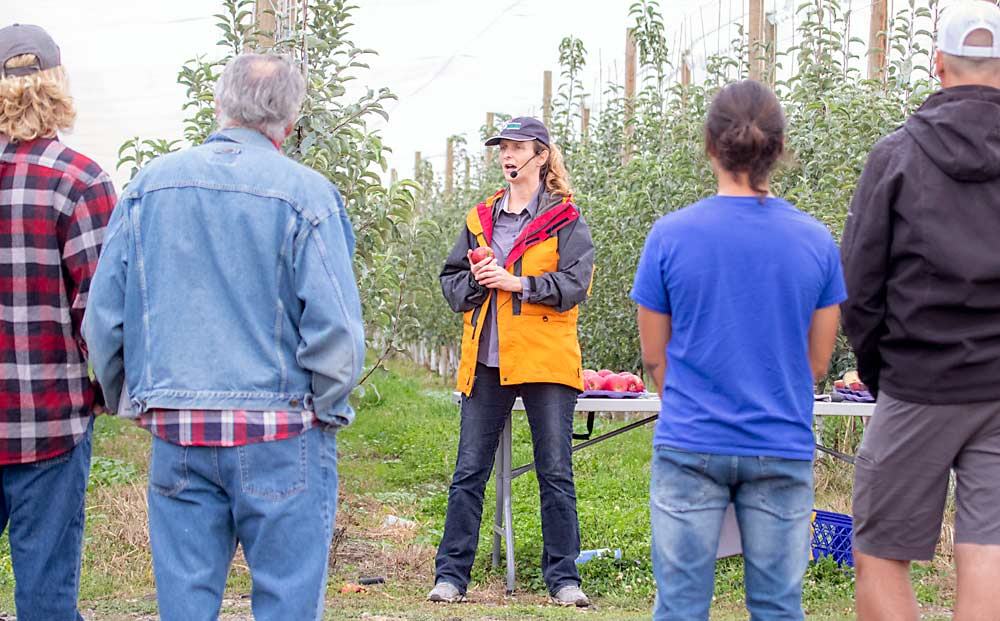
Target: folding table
(504,472)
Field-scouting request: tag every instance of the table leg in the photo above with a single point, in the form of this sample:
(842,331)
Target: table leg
(506,445)
(819,435)
(498,514)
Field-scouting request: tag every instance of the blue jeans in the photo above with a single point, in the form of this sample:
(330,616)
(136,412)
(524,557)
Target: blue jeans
(43,504)
(278,499)
(550,415)
(689,493)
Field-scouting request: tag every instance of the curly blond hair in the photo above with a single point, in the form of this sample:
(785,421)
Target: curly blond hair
(556,177)
(36,105)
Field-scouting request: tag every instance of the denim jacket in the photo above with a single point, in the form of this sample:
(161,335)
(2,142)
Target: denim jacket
(226,282)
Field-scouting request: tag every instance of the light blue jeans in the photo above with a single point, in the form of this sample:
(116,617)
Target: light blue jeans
(43,505)
(689,493)
(278,499)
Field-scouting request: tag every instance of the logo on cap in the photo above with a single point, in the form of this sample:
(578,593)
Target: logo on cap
(511,125)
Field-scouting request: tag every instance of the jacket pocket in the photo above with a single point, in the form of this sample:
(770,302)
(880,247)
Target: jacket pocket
(543,310)
(273,470)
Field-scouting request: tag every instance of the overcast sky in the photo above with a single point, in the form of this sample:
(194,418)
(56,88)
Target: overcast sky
(449,61)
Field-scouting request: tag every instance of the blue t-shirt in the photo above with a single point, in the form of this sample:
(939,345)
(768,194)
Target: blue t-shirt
(741,281)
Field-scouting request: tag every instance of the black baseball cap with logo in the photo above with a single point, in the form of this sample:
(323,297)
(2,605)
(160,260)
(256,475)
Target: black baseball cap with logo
(19,39)
(522,128)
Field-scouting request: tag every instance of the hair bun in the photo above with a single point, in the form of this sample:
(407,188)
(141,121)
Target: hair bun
(745,129)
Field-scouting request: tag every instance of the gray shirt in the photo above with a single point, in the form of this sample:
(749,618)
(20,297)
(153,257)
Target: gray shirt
(505,232)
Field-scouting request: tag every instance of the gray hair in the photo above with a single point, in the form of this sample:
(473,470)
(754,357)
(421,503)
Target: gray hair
(259,91)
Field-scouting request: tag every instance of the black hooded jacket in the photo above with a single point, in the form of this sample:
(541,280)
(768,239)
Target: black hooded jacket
(921,254)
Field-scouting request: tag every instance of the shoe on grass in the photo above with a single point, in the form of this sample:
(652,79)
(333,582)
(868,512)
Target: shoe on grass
(445,592)
(571,595)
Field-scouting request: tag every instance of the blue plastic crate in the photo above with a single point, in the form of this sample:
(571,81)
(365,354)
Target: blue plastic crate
(831,536)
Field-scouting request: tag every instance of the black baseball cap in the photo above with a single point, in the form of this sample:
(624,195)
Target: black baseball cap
(522,128)
(21,39)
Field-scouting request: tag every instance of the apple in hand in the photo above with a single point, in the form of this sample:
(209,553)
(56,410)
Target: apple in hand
(481,253)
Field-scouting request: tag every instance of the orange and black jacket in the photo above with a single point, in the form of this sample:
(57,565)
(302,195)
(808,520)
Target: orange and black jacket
(536,335)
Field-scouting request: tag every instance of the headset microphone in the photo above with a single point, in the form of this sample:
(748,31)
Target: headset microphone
(513,175)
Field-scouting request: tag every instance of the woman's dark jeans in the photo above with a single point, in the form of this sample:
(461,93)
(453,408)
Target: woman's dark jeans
(484,413)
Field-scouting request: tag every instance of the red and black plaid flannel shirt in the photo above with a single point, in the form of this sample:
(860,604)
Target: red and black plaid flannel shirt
(54,207)
(225,428)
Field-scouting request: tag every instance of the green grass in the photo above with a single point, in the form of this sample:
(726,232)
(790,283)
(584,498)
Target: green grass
(397,459)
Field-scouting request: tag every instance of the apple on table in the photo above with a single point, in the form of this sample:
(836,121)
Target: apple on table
(609,381)
(616,382)
(592,381)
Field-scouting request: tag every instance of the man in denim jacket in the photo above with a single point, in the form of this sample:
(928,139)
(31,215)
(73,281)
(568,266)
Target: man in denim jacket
(225,301)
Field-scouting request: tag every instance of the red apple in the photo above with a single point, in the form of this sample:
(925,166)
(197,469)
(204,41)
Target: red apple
(634,382)
(480,253)
(587,372)
(605,372)
(640,387)
(839,384)
(593,382)
(616,382)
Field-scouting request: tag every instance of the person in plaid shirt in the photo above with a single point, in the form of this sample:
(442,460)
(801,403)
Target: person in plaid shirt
(54,207)
(225,300)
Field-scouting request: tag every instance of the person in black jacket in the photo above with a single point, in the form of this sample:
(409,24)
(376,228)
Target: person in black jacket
(921,253)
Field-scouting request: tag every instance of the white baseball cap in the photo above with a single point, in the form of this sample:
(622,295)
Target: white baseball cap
(962,18)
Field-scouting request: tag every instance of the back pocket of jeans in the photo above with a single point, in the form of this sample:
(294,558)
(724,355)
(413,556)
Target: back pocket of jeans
(168,474)
(785,486)
(273,470)
(680,482)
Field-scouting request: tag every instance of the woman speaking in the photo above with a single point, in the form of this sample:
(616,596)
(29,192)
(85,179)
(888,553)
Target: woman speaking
(520,267)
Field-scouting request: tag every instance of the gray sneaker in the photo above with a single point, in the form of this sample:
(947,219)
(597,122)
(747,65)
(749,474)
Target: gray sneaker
(445,592)
(570,595)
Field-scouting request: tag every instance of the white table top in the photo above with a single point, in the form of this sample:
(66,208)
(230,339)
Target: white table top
(651,403)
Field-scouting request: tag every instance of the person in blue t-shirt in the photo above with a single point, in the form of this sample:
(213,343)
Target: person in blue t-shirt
(738,316)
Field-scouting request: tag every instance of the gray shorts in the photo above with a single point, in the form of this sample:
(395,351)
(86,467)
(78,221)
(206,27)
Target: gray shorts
(901,477)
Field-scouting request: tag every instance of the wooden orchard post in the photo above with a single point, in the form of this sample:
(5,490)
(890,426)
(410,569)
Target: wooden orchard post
(877,41)
(393,176)
(265,22)
(630,76)
(547,99)
(489,130)
(416,164)
(756,47)
(585,122)
(771,46)
(449,169)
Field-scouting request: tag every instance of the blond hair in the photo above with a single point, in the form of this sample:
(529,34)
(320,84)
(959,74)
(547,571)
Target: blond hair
(556,179)
(36,105)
